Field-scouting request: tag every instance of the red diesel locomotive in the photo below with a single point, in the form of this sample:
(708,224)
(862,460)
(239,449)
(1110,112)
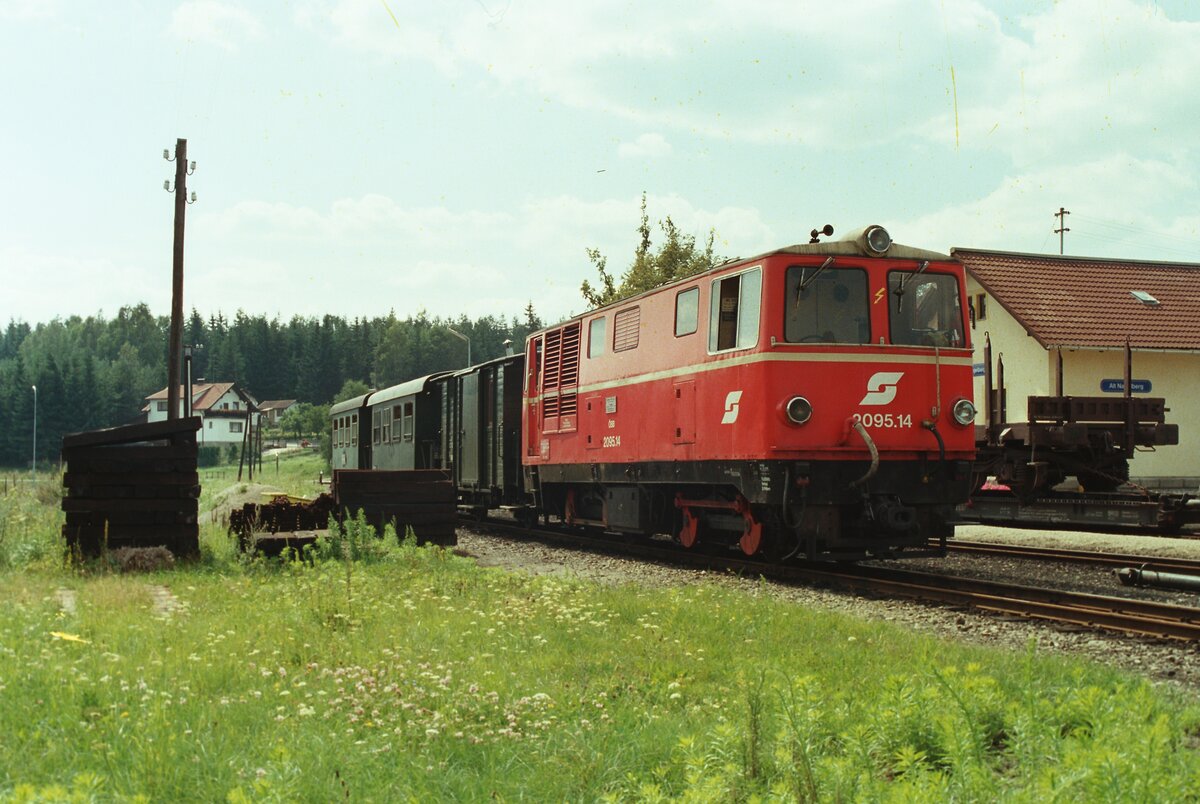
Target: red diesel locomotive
(811,401)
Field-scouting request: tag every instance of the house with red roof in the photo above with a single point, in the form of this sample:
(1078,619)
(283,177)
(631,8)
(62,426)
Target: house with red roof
(223,408)
(1035,307)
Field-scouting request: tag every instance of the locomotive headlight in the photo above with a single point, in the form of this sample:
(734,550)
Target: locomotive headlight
(799,410)
(964,412)
(877,239)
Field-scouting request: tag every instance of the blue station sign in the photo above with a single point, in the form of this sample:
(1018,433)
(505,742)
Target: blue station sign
(1118,386)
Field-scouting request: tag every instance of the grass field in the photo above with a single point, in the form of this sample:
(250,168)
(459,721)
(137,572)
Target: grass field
(412,674)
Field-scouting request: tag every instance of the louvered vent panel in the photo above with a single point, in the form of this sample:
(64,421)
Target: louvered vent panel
(553,359)
(570,356)
(627,326)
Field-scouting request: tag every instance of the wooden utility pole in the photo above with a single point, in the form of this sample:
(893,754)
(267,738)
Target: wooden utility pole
(176,342)
(1062,229)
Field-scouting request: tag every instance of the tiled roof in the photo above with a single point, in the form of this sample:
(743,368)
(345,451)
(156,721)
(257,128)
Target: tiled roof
(276,404)
(1088,302)
(204,395)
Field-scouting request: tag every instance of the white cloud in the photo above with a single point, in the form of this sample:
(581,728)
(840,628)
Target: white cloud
(221,24)
(952,72)
(646,146)
(1018,215)
(371,254)
(110,285)
(25,10)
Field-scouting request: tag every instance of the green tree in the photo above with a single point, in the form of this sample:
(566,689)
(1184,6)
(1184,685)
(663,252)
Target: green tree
(676,258)
(304,419)
(351,389)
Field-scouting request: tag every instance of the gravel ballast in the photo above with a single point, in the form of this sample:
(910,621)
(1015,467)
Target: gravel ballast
(1162,662)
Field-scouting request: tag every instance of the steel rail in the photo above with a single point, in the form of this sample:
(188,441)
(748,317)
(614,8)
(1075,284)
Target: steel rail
(1116,614)
(1157,563)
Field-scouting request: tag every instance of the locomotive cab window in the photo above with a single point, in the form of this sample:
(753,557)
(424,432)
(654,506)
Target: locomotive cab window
(687,311)
(826,306)
(924,309)
(734,313)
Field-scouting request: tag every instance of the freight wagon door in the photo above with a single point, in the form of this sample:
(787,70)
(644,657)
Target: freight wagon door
(471,425)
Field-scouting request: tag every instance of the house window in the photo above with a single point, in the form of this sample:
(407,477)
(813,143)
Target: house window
(235,427)
(596,332)
(162,406)
(210,424)
(981,307)
(627,326)
(408,421)
(733,319)
(687,311)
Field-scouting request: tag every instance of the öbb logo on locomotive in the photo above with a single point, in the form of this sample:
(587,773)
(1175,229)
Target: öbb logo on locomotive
(881,388)
(789,332)
(732,406)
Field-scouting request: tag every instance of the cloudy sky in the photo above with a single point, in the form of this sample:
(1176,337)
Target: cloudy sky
(360,156)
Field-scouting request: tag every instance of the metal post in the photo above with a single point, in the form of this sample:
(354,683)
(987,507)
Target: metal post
(33,466)
(1062,229)
(187,372)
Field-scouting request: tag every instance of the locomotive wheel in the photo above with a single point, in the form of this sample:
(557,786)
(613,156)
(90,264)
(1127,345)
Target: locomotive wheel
(527,517)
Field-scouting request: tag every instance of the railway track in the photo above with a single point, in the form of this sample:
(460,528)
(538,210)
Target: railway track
(1156,563)
(1129,616)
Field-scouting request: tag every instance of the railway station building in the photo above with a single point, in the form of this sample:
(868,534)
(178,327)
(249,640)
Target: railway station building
(1034,307)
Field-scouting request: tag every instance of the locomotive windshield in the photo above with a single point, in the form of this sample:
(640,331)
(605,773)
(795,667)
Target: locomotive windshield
(924,309)
(831,306)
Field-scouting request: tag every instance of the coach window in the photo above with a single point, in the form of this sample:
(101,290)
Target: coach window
(408,421)
(375,428)
(396,422)
(354,430)
(829,306)
(687,311)
(733,317)
(924,309)
(386,421)
(596,332)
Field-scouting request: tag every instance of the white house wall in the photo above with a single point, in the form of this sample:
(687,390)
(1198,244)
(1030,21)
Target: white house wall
(1171,376)
(1029,370)
(1026,369)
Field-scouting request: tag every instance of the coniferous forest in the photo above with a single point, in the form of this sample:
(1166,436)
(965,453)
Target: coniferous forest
(96,372)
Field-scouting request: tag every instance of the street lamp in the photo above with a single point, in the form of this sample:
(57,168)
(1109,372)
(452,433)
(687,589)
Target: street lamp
(33,466)
(465,338)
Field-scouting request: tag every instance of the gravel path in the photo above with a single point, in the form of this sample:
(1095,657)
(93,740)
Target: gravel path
(1161,662)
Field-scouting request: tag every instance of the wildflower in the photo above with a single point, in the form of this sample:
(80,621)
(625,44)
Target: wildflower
(68,637)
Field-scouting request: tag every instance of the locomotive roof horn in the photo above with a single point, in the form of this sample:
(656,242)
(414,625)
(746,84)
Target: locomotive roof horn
(815,235)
